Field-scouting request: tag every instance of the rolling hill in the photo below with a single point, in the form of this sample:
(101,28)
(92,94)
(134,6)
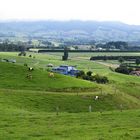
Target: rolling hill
(15,77)
(99,31)
(31,109)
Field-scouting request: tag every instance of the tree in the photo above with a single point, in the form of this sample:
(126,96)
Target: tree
(80,73)
(100,79)
(121,60)
(105,58)
(89,73)
(137,61)
(122,69)
(65,56)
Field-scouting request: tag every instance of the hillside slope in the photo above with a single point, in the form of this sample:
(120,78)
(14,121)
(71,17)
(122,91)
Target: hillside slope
(30,114)
(15,77)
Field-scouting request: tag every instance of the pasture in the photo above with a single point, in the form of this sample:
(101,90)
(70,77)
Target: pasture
(47,108)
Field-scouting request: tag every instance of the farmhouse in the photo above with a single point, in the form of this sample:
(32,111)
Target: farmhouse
(136,73)
(66,70)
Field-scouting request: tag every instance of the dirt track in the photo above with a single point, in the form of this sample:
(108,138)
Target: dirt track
(108,64)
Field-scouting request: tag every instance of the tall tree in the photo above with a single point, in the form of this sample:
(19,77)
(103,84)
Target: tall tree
(121,60)
(137,61)
(65,56)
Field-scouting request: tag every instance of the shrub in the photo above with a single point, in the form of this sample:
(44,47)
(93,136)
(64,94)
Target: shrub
(100,79)
(96,78)
(80,74)
(25,64)
(105,58)
(89,73)
(137,61)
(19,54)
(22,54)
(122,69)
(86,77)
(121,59)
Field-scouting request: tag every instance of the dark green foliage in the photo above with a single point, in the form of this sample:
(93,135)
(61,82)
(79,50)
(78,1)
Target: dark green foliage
(89,73)
(80,73)
(100,79)
(117,45)
(112,69)
(105,58)
(86,77)
(137,61)
(11,47)
(121,59)
(113,57)
(123,69)
(65,56)
(22,53)
(25,64)
(96,78)
(30,55)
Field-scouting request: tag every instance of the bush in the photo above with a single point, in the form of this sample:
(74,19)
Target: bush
(96,78)
(22,54)
(100,79)
(122,69)
(25,64)
(121,59)
(137,61)
(80,74)
(19,54)
(89,73)
(86,77)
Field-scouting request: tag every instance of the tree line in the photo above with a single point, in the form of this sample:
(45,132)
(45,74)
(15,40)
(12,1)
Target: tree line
(113,57)
(11,47)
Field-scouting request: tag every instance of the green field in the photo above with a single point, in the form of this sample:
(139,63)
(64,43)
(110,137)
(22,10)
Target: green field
(29,107)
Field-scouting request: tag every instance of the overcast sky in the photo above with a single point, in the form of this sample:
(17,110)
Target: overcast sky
(127,11)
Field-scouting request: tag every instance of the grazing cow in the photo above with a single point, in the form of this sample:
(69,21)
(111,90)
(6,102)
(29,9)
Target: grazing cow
(30,69)
(50,65)
(29,76)
(51,74)
(96,98)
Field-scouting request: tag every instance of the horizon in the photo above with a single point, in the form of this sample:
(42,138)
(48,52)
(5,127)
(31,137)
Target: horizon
(126,11)
(57,20)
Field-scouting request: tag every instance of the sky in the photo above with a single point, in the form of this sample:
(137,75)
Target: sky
(127,11)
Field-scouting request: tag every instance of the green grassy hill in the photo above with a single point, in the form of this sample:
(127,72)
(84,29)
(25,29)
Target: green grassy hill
(15,77)
(28,107)
(31,115)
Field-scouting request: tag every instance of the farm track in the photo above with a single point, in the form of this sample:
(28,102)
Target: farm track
(108,64)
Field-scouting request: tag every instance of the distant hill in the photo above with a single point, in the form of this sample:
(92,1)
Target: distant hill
(104,31)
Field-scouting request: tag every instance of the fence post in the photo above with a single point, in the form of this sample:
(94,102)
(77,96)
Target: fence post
(89,108)
(57,110)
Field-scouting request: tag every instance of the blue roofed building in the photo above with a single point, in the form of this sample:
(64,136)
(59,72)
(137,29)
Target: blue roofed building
(66,70)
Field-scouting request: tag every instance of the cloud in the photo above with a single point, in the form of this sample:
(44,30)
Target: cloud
(120,10)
